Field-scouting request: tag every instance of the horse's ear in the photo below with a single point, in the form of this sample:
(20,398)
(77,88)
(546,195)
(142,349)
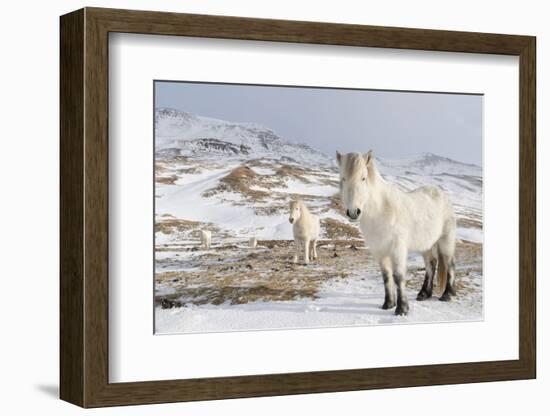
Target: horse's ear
(368,157)
(338,158)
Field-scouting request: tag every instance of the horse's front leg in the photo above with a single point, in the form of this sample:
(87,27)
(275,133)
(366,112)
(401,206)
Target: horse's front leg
(389,299)
(297,248)
(399,278)
(306,251)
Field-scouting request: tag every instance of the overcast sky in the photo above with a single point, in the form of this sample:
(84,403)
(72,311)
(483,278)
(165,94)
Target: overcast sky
(393,124)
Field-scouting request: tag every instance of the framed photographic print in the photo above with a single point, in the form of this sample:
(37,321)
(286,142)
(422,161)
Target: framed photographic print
(255,207)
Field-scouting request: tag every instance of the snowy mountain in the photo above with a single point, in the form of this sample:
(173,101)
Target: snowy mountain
(429,163)
(239,178)
(194,135)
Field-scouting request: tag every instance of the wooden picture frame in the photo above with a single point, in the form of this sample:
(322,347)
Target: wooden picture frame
(84,207)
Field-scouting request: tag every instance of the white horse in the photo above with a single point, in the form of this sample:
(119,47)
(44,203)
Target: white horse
(206,238)
(306,229)
(394,222)
(252,242)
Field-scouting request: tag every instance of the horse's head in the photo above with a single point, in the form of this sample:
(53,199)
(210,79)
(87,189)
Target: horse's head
(355,174)
(296,208)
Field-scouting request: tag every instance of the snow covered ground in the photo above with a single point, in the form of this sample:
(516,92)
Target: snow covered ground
(236,180)
(231,294)
(349,304)
(341,303)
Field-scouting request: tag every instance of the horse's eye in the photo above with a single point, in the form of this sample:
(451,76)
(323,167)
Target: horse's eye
(364,179)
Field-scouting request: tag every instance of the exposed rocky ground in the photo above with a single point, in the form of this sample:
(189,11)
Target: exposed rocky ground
(233,274)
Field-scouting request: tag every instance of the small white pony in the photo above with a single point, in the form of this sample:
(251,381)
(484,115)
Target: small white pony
(306,228)
(394,222)
(206,238)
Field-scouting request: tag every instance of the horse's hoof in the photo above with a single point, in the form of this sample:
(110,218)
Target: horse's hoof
(388,305)
(402,310)
(446,297)
(423,295)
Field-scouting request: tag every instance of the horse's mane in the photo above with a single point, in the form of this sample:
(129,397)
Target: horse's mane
(353,163)
(357,160)
(299,203)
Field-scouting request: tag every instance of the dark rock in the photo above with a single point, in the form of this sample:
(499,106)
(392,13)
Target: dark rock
(169,304)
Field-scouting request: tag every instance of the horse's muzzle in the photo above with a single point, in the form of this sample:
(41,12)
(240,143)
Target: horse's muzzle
(291,220)
(353,214)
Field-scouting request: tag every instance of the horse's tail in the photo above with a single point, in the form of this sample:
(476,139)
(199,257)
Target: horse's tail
(442,267)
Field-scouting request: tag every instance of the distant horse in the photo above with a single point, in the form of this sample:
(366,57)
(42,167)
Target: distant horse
(206,238)
(306,229)
(394,222)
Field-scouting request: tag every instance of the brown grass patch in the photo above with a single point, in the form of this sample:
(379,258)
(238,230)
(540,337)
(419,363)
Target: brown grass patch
(261,275)
(239,175)
(160,168)
(190,170)
(290,171)
(240,180)
(271,209)
(335,229)
(469,223)
(167,180)
(169,225)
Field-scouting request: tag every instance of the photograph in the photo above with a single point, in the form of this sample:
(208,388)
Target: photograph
(294,207)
